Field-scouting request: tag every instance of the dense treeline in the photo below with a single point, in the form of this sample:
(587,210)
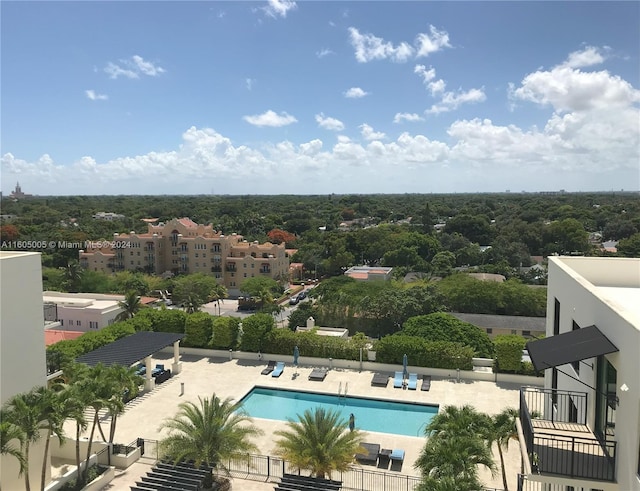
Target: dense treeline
(516,226)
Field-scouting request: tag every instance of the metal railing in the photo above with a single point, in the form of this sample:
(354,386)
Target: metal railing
(568,454)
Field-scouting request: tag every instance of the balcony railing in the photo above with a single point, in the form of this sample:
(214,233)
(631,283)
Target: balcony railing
(557,438)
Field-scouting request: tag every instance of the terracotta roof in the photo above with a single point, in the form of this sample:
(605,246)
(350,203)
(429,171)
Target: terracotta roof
(148,300)
(53,336)
(187,222)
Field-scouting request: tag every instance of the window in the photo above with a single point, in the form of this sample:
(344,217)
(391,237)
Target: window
(576,364)
(554,385)
(513,331)
(245,275)
(489,330)
(526,334)
(93,325)
(62,322)
(78,323)
(556,317)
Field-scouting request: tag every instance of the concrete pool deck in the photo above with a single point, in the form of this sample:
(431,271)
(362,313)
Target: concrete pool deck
(203,376)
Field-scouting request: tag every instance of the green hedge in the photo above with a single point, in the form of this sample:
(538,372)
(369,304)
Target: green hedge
(509,352)
(423,353)
(309,343)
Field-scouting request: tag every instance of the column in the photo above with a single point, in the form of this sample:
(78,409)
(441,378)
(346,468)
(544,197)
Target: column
(176,367)
(149,383)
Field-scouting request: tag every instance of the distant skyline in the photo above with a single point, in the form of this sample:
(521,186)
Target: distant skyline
(283,97)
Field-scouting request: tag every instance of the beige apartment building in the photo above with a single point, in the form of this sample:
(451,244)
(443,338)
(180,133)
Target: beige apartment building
(182,246)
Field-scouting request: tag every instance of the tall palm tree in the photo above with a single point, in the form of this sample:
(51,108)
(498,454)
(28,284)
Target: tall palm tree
(504,430)
(76,400)
(218,294)
(320,441)
(193,303)
(127,383)
(73,275)
(27,412)
(208,433)
(130,306)
(8,433)
(53,416)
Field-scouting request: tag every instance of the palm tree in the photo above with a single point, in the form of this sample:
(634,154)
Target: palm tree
(73,275)
(459,439)
(209,433)
(218,294)
(28,412)
(455,457)
(8,433)
(76,400)
(128,382)
(130,306)
(53,415)
(193,303)
(319,441)
(504,428)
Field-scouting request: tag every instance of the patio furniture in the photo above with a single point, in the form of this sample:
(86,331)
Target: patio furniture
(397,458)
(398,380)
(413,381)
(383,458)
(369,454)
(270,366)
(278,370)
(426,383)
(380,380)
(318,374)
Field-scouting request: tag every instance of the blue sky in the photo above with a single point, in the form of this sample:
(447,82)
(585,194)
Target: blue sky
(319,97)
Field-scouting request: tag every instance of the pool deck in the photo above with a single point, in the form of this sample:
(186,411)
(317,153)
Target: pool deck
(203,376)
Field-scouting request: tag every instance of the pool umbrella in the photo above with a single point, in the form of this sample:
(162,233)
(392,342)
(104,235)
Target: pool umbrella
(405,362)
(296,354)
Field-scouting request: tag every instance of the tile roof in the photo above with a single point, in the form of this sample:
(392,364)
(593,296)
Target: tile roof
(53,336)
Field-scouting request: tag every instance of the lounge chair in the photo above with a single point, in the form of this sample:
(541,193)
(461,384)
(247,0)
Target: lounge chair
(426,383)
(398,380)
(380,380)
(369,454)
(413,381)
(270,366)
(396,457)
(318,374)
(278,369)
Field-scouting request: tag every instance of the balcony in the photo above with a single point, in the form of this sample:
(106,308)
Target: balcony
(558,441)
(216,268)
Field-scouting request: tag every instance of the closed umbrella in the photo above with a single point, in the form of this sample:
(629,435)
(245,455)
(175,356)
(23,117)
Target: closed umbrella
(405,362)
(296,354)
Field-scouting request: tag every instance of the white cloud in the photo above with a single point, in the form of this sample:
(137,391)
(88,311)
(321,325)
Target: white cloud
(369,47)
(432,42)
(94,96)
(323,52)
(249,83)
(587,57)
(569,89)
(449,101)
(132,68)
(369,134)
(270,118)
(452,100)
(279,8)
(411,117)
(355,93)
(329,123)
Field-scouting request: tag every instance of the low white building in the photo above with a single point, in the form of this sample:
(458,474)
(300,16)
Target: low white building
(588,433)
(81,311)
(107,215)
(369,273)
(22,350)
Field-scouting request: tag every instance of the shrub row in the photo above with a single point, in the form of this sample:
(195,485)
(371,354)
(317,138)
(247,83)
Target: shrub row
(309,343)
(423,353)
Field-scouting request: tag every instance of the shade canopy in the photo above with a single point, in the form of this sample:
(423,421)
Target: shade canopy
(569,347)
(130,349)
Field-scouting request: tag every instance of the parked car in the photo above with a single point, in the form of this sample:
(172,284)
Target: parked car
(302,295)
(294,300)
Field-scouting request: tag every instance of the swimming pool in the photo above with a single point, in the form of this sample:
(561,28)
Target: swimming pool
(399,418)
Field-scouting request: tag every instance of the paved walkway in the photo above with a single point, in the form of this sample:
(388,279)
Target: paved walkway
(203,376)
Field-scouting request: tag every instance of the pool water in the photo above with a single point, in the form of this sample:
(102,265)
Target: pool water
(398,418)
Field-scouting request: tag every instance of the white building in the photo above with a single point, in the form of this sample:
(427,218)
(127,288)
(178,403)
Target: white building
(369,273)
(22,350)
(588,434)
(107,215)
(81,311)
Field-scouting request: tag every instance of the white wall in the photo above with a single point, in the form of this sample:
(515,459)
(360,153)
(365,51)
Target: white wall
(70,316)
(22,349)
(579,301)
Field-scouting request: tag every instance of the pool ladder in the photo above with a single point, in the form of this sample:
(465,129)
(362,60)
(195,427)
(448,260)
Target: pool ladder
(346,388)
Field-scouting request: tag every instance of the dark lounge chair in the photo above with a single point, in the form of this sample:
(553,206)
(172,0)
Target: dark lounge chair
(370,454)
(426,383)
(380,380)
(270,366)
(318,374)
